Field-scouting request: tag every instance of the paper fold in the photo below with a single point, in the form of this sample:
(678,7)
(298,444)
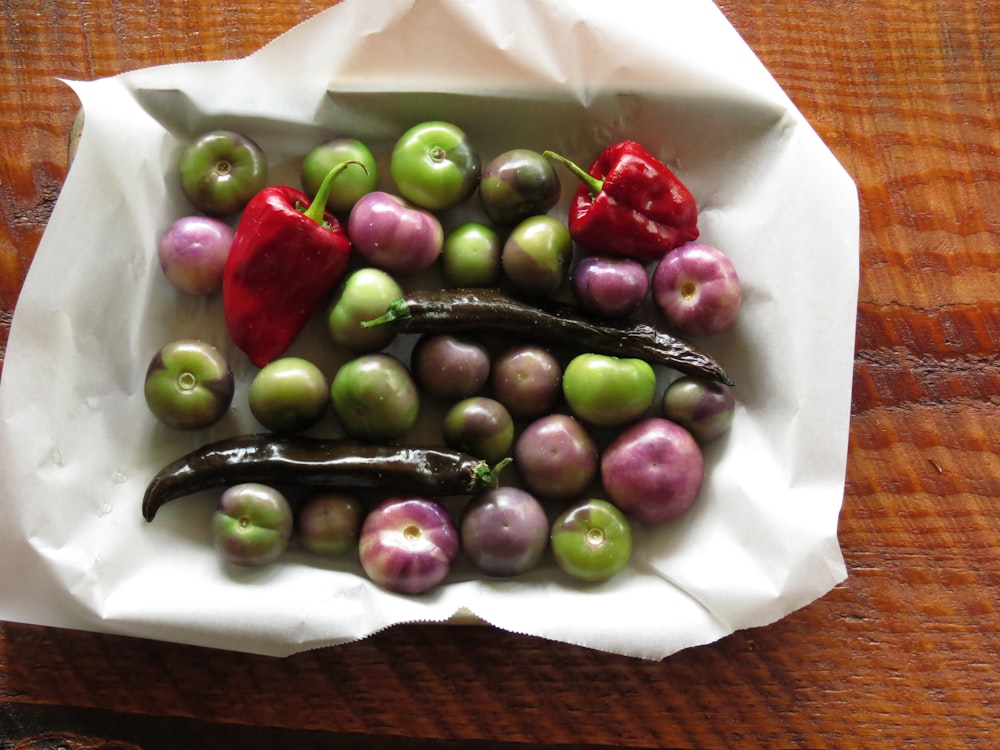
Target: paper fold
(77,444)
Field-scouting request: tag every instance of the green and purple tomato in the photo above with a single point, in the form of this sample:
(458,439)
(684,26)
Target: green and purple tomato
(480,426)
(328,523)
(592,540)
(408,544)
(653,470)
(252,525)
(609,286)
(555,457)
(289,394)
(189,385)
(375,397)
(504,532)
(517,184)
(221,170)
(434,165)
(470,256)
(536,255)
(393,235)
(449,367)
(608,391)
(527,379)
(193,253)
(697,289)
(354,182)
(364,295)
(703,407)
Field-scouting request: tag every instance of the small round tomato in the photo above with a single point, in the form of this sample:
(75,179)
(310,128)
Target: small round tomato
(189,385)
(364,295)
(537,254)
(518,184)
(328,523)
(289,394)
(375,397)
(253,524)
(592,540)
(350,184)
(470,256)
(193,252)
(221,171)
(608,391)
(434,165)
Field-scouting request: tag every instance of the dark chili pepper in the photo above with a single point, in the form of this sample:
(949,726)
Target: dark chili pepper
(286,256)
(477,310)
(631,204)
(298,460)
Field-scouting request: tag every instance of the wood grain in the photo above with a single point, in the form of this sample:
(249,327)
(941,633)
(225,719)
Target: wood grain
(903,654)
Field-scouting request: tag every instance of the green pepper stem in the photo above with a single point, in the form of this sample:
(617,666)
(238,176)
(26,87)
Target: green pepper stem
(490,476)
(397,310)
(593,184)
(317,208)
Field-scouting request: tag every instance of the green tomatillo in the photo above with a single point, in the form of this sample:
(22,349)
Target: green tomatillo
(435,166)
(221,171)
(608,391)
(352,184)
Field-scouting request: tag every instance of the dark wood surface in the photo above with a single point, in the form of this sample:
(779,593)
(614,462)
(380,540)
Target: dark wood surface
(902,654)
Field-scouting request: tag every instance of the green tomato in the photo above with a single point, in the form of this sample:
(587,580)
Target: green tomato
(365,295)
(536,255)
(435,166)
(518,184)
(221,171)
(189,385)
(592,540)
(470,256)
(329,522)
(289,394)
(375,397)
(350,184)
(252,525)
(608,391)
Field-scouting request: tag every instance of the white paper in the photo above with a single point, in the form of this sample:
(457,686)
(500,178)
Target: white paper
(77,444)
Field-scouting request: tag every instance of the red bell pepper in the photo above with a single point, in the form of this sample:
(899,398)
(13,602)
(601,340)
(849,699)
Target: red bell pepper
(630,204)
(286,256)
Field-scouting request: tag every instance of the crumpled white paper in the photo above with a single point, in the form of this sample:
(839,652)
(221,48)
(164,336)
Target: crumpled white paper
(77,445)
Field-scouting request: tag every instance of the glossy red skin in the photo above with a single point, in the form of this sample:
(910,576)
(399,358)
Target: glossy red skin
(609,286)
(408,544)
(555,457)
(653,471)
(527,379)
(448,367)
(504,532)
(697,290)
(281,268)
(703,407)
(193,252)
(393,235)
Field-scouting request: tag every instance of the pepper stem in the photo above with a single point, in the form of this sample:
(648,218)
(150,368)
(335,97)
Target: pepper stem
(318,206)
(489,476)
(593,184)
(397,310)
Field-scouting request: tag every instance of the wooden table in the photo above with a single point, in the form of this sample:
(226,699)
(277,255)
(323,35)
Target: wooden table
(903,654)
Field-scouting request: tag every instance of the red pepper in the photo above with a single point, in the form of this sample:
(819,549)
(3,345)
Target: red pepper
(283,262)
(630,204)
